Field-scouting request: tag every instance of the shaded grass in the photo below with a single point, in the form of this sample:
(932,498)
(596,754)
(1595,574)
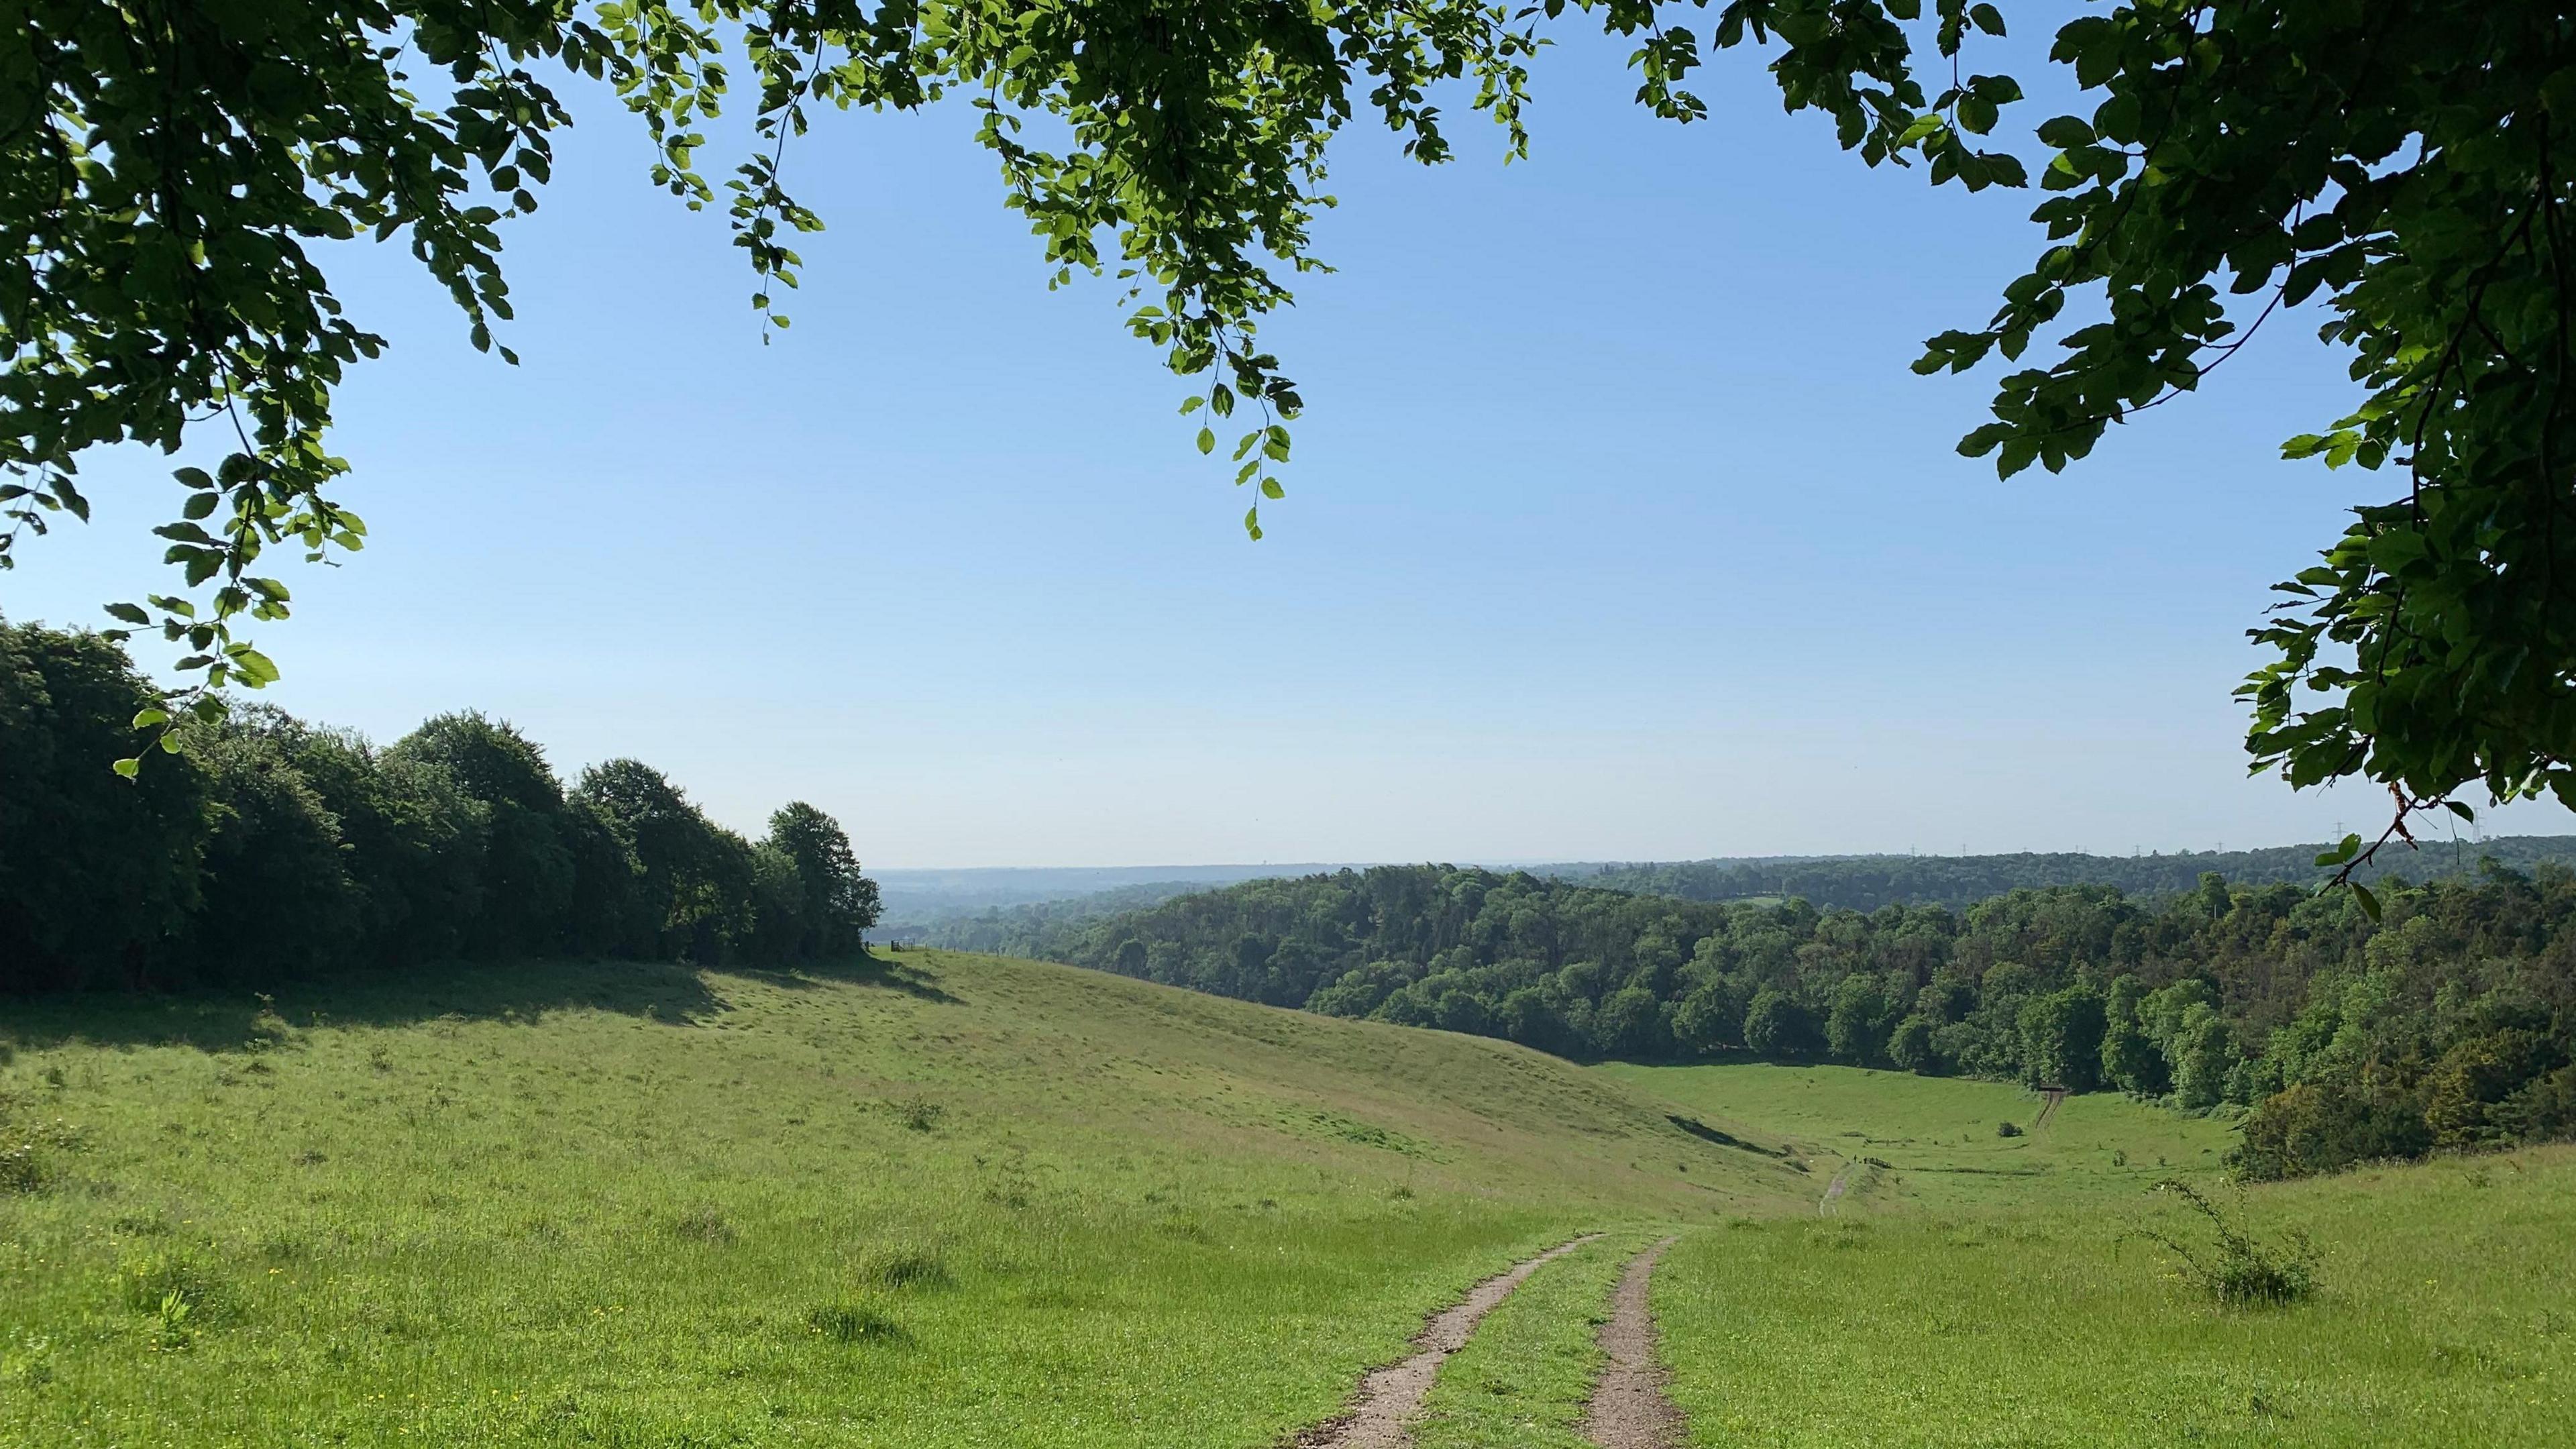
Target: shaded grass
(1524,1380)
(937,1201)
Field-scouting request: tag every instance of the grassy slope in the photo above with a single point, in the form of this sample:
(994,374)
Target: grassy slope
(964,1201)
(1937,1134)
(1975,1309)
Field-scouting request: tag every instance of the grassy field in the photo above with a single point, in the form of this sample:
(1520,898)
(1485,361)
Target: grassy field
(1983,1290)
(959,1201)
(955,1201)
(1903,1141)
(2445,1315)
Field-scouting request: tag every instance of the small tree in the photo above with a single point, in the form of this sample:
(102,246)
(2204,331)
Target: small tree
(1857,1026)
(2062,1038)
(1914,1047)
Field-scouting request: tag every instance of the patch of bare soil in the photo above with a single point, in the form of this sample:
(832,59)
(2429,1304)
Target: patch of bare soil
(1390,1396)
(1630,1409)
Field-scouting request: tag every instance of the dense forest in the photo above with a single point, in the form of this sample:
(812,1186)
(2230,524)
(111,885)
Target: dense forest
(1867,882)
(261,848)
(2449,1023)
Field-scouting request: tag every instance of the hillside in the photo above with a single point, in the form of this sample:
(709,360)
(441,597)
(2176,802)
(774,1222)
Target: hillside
(946,1201)
(951,1201)
(2447,1022)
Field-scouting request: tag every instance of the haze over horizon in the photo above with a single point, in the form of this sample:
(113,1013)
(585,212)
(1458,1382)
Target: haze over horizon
(1599,569)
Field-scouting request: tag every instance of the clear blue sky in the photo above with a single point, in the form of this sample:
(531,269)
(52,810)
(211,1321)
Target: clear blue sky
(1618,526)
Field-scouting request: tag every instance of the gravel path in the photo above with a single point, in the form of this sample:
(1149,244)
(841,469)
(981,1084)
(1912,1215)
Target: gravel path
(1389,1396)
(1629,1406)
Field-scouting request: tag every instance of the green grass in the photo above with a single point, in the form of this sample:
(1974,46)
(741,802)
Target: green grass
(961,1201)
(953,1201)
(2443,1317)
(1936,1135)
(1522,1382)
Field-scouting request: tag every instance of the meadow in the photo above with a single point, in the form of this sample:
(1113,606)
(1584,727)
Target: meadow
(948,1200)
(1900,1141)
(939,1201)
(1984,1290)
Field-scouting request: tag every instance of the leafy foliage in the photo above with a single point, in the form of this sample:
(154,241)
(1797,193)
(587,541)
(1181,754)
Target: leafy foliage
(2400,161)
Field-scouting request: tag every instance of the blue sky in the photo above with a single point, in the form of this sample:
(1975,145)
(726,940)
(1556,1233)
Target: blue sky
(1618,526)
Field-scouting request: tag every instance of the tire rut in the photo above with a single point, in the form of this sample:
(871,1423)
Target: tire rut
(1390,1396)
(1630,1409)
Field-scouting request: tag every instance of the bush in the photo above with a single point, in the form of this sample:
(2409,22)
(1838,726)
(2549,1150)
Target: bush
(2238,1270)
(2314,1127)
(2008,1129)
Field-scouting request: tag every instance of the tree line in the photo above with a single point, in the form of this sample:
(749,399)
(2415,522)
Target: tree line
(264,848)
(1867,882)
(2449,1023)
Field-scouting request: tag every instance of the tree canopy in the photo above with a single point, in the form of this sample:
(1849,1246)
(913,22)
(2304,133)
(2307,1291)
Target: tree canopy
(167,171)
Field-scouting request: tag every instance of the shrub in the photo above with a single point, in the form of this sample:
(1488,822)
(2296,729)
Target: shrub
(2238,1270)
(2314,1127)
(2007,1129)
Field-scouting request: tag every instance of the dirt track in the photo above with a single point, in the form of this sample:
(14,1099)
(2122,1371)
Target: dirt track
(1391,1395)
(1629,1407)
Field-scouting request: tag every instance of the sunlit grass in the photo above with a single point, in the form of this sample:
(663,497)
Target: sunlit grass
(962,1202)
(2442,1318)
(1932,1142)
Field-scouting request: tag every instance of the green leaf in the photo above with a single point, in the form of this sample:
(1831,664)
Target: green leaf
(1207,440)
(252,667)
(2463,811)
(129,613)
(2369,902)
(128,768)
(145,719)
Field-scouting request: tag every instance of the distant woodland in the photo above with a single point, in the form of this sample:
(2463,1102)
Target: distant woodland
(2447,1024)
(1867,882)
